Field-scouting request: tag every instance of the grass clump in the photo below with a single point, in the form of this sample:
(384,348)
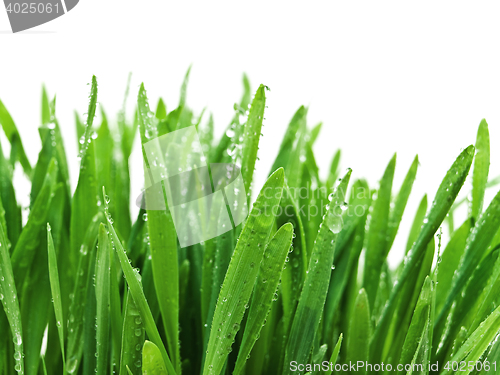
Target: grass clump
(105,293)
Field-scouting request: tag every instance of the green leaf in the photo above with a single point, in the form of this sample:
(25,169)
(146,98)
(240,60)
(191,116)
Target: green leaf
(418,220)
(242,273)
(312,299)
(90,118)
(264,292)
(102,294)
(45,106)
(152,362)
(377,243)
(357,344)
(56,289)
(481,168)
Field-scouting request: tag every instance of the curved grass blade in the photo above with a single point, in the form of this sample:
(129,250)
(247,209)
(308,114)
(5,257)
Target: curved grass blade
(8,196)
(10,301)
(241,274)
(56,291)
(264,293)
(334,170)
(152,362)
(481,168)
(251,136)
(102,294)
(312,299)
(132,338)
(359,330)
(137,293)
(377,243)
(90,118)
(445,196)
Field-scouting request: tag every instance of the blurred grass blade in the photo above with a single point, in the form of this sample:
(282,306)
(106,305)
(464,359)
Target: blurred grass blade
(310,308)
(264,292)
(357,345)
(56,290)
(10,301)
(416,226)
(481,168)
(152,362)
(102,294)
(335,354)
(241,274)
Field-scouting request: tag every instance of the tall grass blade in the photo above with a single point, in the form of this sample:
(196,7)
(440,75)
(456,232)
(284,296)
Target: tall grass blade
(481,169)
(102,294)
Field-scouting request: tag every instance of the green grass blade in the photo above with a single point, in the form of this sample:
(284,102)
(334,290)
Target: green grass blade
(10,301)
(56,290)
(478,341)
(163,245)
(400,203)
(376,246)
(137,293)
(152,360)
(90,118)
(419,324)
(31,236)
(265,289)
(334,170)
(335,355)
(445,196)
(251,136)
(417,223)
(132,338)
(241,274)
(481,168)
(102,293)
(76,312)
(310,307)
(8,196)
(10,129)
(484,231)
(45,106)
(357,344)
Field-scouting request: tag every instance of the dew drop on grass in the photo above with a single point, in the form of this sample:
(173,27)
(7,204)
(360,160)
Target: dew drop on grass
(145,217)
(17,339)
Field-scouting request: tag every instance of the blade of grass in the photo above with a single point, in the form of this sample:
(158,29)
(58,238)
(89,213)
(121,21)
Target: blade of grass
(376,246)
(135,289)
(241,274)
(132,338)
(152,360)
(446,194)
(310,307)
(102,293)
(481,168)
(264,293)
(357,345)
(10,301)
(56,291)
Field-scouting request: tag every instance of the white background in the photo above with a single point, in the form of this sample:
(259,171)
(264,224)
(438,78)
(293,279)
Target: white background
(383,77)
